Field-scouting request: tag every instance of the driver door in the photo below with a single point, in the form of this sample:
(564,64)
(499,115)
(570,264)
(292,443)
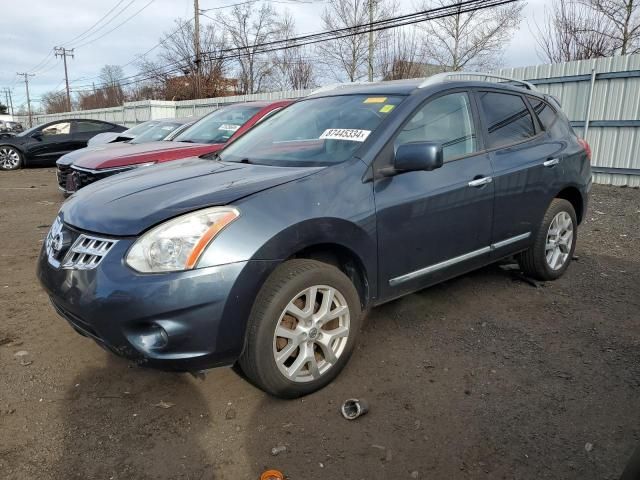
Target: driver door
(51,142)
(435,224)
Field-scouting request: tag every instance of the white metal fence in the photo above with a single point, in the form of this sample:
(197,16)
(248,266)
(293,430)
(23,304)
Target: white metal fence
(600,95)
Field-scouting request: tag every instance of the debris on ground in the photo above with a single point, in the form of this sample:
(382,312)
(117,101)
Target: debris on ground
(163,404)
(275,451)
(354,408)
(272,475)
(588,446)
(231,414)
(23,355)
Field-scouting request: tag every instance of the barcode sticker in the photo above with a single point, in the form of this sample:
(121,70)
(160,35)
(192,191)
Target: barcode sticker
(350,134)
(229,127)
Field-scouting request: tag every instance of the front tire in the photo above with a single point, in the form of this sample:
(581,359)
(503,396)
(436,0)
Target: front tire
(302,328)
(551,253)
(10,158)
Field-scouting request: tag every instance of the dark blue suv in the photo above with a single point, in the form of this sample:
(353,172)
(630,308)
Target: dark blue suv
(268,253)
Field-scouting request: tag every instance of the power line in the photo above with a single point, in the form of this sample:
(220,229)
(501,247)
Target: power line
(313,38)
(83,34)
(117,26)
(64,53)
(26,76)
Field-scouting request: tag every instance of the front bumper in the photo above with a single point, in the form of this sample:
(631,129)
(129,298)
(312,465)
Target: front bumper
(182,321)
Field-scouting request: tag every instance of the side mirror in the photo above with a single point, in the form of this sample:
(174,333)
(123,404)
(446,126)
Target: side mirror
(418,156)
(37,135)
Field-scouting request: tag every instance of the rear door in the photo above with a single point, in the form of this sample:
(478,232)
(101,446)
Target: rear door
(51,142)
(83,130)
(433,225)
(525,168)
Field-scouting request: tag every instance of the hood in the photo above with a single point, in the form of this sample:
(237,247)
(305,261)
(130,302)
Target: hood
(131,154)
(102,138)
(130,203)
(78,155)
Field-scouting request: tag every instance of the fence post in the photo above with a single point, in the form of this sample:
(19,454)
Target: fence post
(588,114)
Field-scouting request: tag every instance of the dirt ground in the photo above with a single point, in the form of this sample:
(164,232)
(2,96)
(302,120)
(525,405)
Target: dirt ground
(485,376)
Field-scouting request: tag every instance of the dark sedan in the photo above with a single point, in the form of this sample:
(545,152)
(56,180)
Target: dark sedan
(44,144)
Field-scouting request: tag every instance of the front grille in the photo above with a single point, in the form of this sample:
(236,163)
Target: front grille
(71,250)
(62,173)
(82,177)
(87,252)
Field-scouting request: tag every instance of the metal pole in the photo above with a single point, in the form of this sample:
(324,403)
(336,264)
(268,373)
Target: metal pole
(371,40)
(26,83)
(588,114)
(10,101)
(63,52)
(196,39)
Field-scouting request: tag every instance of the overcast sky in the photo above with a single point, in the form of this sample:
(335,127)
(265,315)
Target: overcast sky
(29,29)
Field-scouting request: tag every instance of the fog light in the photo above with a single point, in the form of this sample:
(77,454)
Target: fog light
(154,338)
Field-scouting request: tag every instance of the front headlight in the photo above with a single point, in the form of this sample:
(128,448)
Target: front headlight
(177,244)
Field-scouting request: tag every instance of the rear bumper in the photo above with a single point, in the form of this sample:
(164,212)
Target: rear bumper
(183,321)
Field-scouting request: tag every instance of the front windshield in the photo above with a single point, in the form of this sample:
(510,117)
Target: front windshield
(156,133)
(219,126)
(313,132)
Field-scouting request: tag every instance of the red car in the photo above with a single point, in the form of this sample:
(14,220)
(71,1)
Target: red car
(207,135)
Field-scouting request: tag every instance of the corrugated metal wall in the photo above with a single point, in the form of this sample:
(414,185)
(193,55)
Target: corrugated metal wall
(614,128)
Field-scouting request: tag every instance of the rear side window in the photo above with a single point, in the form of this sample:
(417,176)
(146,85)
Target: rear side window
(84,126)
(446,120)
(508,118)
(551,121)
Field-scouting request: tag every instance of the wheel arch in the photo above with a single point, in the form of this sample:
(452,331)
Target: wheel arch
(573,196)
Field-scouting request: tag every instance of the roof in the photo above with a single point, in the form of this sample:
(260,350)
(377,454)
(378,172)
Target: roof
(429,84)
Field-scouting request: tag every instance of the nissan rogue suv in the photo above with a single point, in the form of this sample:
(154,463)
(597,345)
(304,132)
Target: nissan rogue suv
(267,253)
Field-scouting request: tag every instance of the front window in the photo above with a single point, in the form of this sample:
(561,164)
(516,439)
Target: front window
(313,132)
(156,133)
(62,128)
(219,126)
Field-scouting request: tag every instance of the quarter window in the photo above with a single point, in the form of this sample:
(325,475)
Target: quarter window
(508,118)
(447,120)
(549,118)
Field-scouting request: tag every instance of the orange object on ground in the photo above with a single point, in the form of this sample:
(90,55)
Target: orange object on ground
(272,475)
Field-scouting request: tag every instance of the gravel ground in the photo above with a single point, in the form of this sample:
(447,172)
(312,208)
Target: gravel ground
(484,376)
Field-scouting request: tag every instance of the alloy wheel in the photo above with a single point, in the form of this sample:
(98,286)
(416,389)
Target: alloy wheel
(311,333)
(559,240)
(9,158)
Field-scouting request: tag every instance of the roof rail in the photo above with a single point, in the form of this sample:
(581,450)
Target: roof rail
(444,76)
(336,86)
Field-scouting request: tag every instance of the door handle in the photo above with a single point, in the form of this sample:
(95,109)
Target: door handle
(478,182)
(551,162)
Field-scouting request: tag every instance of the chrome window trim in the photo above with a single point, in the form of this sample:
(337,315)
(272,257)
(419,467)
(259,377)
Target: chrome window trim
(452,261)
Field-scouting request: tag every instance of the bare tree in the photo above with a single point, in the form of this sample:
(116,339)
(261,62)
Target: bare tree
(572,32)
(292,68)
(473,39)
(349,56)
(401,55)
(111,77)
(54,102)
(248,28)
(622,25)
(172,75)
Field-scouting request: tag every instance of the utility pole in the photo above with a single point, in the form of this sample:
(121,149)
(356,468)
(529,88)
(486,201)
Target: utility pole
(7,96)
(196,39)
(64,53)
(26,84)
(371,40)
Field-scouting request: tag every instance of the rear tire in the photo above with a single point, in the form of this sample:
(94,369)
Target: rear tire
(552,250)
(10,158)
(302,328)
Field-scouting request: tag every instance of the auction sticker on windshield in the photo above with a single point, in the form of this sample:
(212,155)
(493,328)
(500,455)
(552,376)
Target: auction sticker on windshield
(229,127)
(351,134)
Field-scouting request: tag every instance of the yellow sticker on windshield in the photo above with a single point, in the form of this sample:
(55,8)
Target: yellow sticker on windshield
(375,100)
(387,108)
